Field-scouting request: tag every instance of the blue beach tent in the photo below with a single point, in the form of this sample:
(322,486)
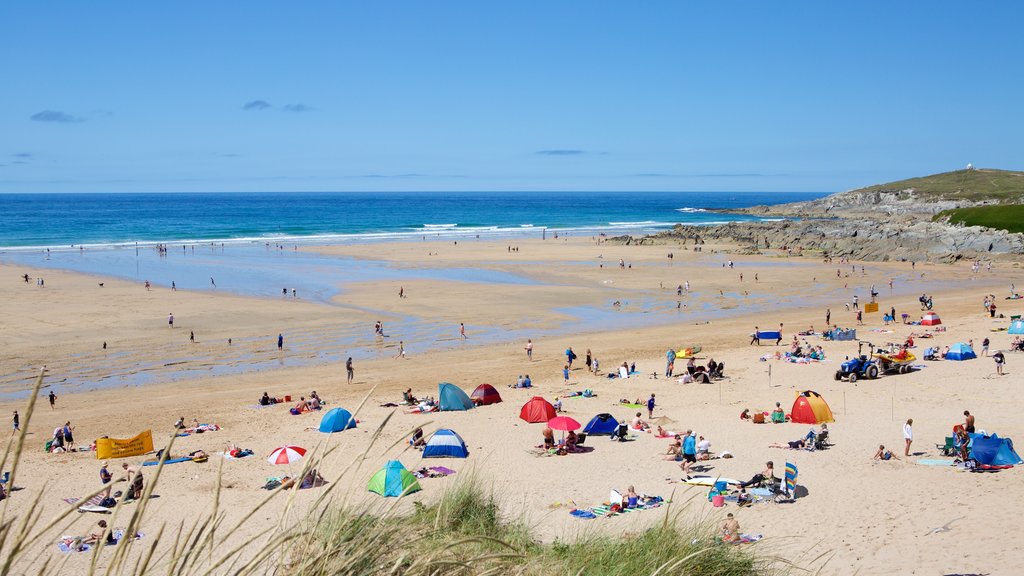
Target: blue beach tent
(960,351)
(602,424)
(445,444)
(994,450)
(393,480)
(336,420)
(451,397)
(1016,327)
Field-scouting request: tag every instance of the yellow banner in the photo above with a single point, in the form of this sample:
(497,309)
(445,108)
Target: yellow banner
(107,448)
(871,307)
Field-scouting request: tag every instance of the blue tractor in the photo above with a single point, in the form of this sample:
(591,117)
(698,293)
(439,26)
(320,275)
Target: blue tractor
(861,366)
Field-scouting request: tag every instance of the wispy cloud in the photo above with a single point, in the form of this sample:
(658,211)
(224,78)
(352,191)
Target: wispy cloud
(22,155)
(54,116)
(256,105)
(560,152)
(296,108)
(704,175)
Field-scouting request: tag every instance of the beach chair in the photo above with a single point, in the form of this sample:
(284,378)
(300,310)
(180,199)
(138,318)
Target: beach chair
(821,441)
(948,449)
(581,438)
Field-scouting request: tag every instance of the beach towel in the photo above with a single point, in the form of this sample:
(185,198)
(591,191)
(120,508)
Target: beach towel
(202,428)
(90,502)
(633,406)
(170,461)
(935,462)
(748,538)
(605,509)
(69,544)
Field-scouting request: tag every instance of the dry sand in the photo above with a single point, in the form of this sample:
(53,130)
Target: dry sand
(875,517)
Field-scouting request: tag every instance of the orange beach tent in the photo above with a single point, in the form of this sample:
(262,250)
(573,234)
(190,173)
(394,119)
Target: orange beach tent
(810,408)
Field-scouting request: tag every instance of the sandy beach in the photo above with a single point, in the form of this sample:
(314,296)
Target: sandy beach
(857,515)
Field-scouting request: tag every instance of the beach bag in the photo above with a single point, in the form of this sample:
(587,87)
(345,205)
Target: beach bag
(758,418)
(294,411)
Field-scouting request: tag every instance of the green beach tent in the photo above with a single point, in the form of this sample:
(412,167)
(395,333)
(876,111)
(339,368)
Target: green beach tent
(393,480)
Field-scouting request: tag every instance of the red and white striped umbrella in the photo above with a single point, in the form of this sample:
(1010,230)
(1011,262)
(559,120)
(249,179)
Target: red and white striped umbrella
(286,455)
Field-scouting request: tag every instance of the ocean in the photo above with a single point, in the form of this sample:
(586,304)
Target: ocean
(58,221)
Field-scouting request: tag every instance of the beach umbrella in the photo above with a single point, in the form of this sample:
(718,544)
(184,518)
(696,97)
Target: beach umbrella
(286,455)
(563,423)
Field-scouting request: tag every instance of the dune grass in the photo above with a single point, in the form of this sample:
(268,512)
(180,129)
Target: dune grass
(981,184)
(1009,217)
(462,532)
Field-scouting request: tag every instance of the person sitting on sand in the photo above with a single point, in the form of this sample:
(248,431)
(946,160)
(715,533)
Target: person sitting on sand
(417,440)
(883,454)
(557,404)
(312,479)
(778,415)
(302,406)
(703,449)
(180,424)
(661,432)
(675,449)
(570,441)
(100,533)
(314,403)
(631,498)
(766,475)
(408,398)
(549,438)
(639,424)
(730,529)
(745,415)
(265,400)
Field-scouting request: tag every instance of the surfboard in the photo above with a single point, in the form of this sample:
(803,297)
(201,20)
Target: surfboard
(170,461)
(96,509)
(708,481)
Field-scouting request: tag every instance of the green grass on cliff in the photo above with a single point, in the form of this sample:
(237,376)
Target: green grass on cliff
(1008,217)
(980,184)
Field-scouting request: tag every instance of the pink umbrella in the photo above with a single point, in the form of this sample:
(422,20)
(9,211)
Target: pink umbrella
(563,423)
(286,455)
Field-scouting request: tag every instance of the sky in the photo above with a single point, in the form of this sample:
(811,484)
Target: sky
(505,96)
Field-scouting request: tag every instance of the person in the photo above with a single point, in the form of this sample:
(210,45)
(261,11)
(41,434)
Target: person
(883,454)
(792,445)
(529,350)
(569,356)
(557,404)
(527,383)
(264,401)
(908,436)
(401,291)
(650,406)
(730,529)
(968,422)
(755,338)
(462,330)
(170,320)
(689,453)
(565,373)
(100,533)
(596,365)
(703,449)
(828,317)
(570,441)
(69,439)
(638,423)
(589,360)
(745,415)
(632,499)
(302,405)
(349,369)
(670,361)
(16,421)
(691,366)
(984,346)
(766,475)
(1000,360)
(549,438)
(53,399)
(778,415)
(58,440)
(314,401)
(675,449)
(105,475)
(401,349)
(135,482)
(280,342)
(192,336)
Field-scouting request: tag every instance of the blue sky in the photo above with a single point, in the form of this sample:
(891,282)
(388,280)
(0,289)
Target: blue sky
(260,96)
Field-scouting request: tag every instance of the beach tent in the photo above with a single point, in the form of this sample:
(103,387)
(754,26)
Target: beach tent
(931,319)
(810,408)
(994,450)
(451,397)
(336,420)
(960,351)
(393,480)
(445,444)
(486,394)
(537,410)
(605,424)
(1016,327)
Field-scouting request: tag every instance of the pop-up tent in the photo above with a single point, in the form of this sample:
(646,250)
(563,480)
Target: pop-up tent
(393,480)
(451,397)
(336,420)
(960,351)
(537,410)
(445,444)
(931,319)
(485,394)
(810,408)
(1016,327)
(605,424)
(994,450)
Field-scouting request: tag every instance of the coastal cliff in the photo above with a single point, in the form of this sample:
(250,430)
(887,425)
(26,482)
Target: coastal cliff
(908,219)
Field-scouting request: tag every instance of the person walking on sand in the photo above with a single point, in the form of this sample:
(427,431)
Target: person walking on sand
(191,336)
(908,436)
(1000,361)
(828,317)
(565,374)
(462,330)
(280,342)
(16,421)
(401,291)
(670,362)
(174,287)
(529,349)
(650,407)
(348,368)
(170,320)
(212,283)
(53,399)
(755,338)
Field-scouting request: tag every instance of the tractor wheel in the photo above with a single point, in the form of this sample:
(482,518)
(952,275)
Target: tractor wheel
(904,369)
(871,372)
(839,375)
(853,377)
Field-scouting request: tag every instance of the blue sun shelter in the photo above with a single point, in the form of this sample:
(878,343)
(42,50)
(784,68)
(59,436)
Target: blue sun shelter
(994,450)
(960,351)
(605,424)
(451,397)
(1016,327)
(393,480)
(336,420)
(445,444)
